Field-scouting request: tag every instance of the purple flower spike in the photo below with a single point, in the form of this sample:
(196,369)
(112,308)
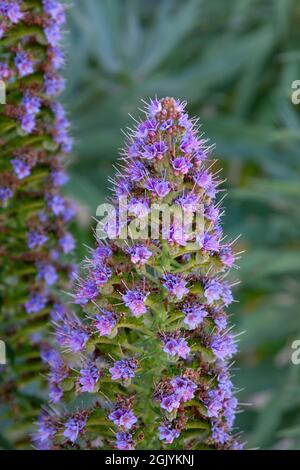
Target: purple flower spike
(35,142)
(152,306)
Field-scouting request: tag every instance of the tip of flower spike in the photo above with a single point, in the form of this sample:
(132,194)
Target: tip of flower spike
(167,106)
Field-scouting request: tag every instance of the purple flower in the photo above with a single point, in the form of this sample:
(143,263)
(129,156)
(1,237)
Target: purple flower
(36,303)
(211,242)
(184,388)
(214,403)
(31,103)
(220,320)
(59,177)
(213,290)
(167,434)
(166,125)
(56,204)
(136,171)
(162,188)
(212,213)
(189,143)
(24,64)
(50,356)
(219,435)
(185,122)
(5,193)
(227,256)
(181,165)
(58,368)
(55,393)
(154,107)
(216,290)
(124,441)
(101,275)
(105,322)
(224,381)
(227,294)
(161,148)
(48,273)
(14,12)
(86,291)
(123,418)
(176,285)
(5,72)
(156,150)
(57,57)
(176,234)
(74,426)
(28,123)
(223,347)
(146,128)
(58,312)
(46,428)
(53,34)
(230,405)
(139,254)
(55,10)
(176,347)
(89,377)
(189,202)
(135,301)
(54,84)
(170,403)
(194,315)
(72,334)
(101,253)
(69,213)
(138,207)
(123,369)
(204,180)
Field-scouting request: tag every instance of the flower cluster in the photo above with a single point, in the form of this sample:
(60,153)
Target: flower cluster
(152,311)
(34,215)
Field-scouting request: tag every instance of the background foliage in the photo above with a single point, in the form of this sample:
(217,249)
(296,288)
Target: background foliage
(234,62)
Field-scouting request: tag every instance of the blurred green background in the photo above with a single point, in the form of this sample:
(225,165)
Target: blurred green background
(234,62)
